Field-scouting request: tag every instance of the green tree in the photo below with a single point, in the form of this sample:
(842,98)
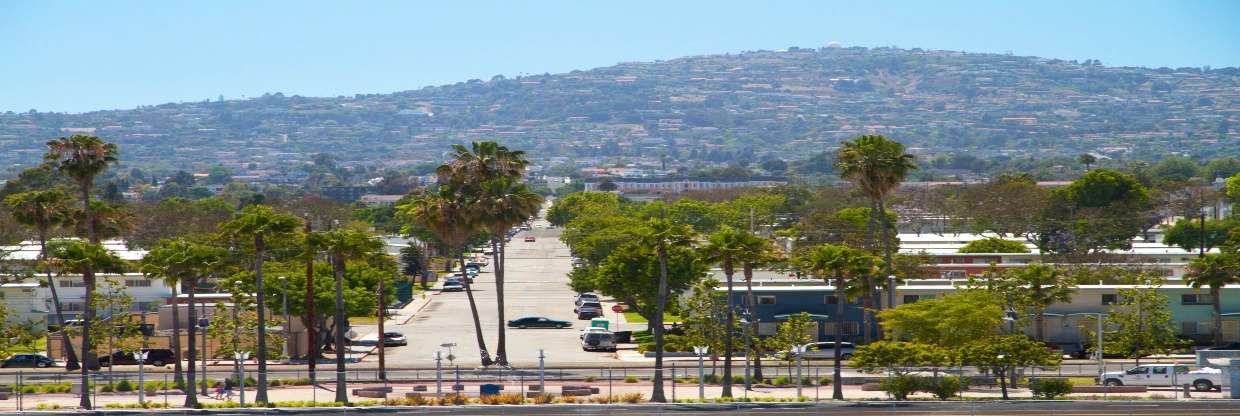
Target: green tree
(949,322)
(260,224)
(1043,285)
(82,158)
(577,205)
(176,217)
(725,247)
(504,203)
(1004,353)
(342,246)
(898,357)
(1142,323)
(702,313)
(1221,168)
(1087,160)
(1187,233)
(839,266)
(757,252)
(84,258)
(1176,169)
(44,211)
(876,166)
(1214,270)
(988,206)
(1103,210)
(797,330)
(994,245)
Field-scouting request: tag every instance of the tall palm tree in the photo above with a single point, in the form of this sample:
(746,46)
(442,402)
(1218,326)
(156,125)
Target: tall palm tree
(260,223)
(446,213)
(76,256)
(504,203)
(876,166)
(342,246)
(757,251)
(841,264)
(662,235)
(1214,270)
(82,158)
(44,210)
(1044,285)
(164,264)
(482,161)
(726,248)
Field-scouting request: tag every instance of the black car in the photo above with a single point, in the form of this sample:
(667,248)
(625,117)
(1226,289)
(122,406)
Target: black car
(27,361)
(156,357)
(538,322)
(394,339)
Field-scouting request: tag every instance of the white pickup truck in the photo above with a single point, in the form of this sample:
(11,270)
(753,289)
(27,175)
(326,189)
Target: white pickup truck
(1168,375)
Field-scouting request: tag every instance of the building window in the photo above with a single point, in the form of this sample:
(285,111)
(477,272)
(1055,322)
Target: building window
(766,300)
(72,283)
(910,298)
(1196,299)
(1189,328)
(138,282)
(847,328)
(73,306)
(767,328)
(830,300)
(1110,299)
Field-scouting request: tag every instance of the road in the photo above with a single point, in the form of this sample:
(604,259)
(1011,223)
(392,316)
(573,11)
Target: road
(536,285)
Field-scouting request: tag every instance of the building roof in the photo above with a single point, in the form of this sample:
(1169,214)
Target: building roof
(29,251)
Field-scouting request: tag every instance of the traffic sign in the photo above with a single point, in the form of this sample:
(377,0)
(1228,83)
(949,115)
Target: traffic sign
(617,308)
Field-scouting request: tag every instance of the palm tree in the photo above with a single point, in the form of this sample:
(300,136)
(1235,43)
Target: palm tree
(182,262)
(841,264)
(482,161)
(504,203)
(662,234)
(82,158)
(1214,270)
(76,256)
(726,248)
(757,251)
(260,223)
(1044,285)
(445,212)
(163,264)
(44,210)
(876,165)
(341,246)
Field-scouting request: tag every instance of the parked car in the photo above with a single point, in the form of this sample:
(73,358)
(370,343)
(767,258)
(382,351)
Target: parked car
(591,330)
(537,322)
(821,350)
(587,310)
(155,356)
(394,339)
(27,361)
(1229,347)
(529,239)
(1168,375)
(599,341)
(585,297)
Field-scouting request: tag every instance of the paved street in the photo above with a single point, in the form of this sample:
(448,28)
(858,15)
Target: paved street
(536,286)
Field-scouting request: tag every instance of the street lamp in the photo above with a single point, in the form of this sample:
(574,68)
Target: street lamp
(284,300)
(140,357)
(799,350)
(746,319)
(542,387)
(438,356)
(701,353)
(241,356)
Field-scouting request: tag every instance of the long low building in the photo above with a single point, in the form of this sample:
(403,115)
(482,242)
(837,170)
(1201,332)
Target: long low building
(668,185)
(1190,308)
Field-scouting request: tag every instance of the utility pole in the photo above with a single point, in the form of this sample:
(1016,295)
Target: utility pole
(1201,251)
(287,334)
(311,343)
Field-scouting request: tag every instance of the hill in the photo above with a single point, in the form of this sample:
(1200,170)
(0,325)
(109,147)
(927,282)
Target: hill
(753,106)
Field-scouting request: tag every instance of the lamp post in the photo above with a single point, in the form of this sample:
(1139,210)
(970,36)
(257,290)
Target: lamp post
(799,350)
(542,388)
(241,356)
(236,341)
(701,352)
(438,372)
(745,320)
(891,291)
(284,301)
(140,357)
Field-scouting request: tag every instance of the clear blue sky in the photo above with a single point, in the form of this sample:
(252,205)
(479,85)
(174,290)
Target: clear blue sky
(89,55)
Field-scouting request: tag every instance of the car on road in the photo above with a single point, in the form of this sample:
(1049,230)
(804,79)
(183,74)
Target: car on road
(451,285)
(1168,375)
(588,310)
(157,357)
(394,339)
(585,297)
(599,341)
(529,239)
(591,330)
(819,350)
(538,322)
(28,361)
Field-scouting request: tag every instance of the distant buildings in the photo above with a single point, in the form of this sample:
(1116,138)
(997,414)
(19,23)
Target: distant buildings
(668,185)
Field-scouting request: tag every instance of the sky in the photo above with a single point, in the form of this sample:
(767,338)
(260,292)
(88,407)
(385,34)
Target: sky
(77,56)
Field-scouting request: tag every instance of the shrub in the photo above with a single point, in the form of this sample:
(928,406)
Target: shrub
(632,397)
(502,399)
(630,379)
(47,406)
(124,385)
(1050,388)
(824,380)
(106,388)
(899,387)
(543,399)
(946,387)
(738,379)
(567,399)
(782,381)
(603,399)
(712,378)
(456,399)
(589,379)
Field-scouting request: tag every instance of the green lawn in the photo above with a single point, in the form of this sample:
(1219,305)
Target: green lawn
(633,317)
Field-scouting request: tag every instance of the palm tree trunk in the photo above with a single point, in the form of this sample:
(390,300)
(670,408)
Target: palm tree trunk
(88,314)
(501,350)
(191,397)
(178,374)
(1218,315)
(71,360)
(382,317)
(727,335)
(483,354)
(837,382)
(656,395)
(867,317)
(342,392)
(753,323)
(260,307)
(1039,322)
